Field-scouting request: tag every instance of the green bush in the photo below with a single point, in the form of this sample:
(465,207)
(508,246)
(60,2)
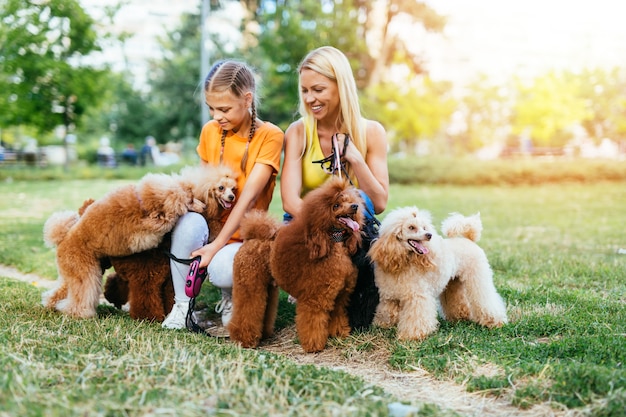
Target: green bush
(469,171)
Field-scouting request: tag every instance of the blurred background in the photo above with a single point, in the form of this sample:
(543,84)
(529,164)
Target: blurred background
(119,82)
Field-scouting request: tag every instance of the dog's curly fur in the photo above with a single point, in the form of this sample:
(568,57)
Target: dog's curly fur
(417,271)
(310,258)
(364,298)
(129,220)
(144,279)
(255,293)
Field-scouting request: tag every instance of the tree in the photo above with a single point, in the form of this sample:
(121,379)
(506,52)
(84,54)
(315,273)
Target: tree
(412,113)
(43,81)
(287,30)
(176,95)
(484,115)
(547,107)
(605,93)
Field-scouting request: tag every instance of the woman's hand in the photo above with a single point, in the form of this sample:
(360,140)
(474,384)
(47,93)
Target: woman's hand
(348,151)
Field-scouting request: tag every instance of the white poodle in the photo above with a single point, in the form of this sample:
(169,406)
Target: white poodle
(418,271)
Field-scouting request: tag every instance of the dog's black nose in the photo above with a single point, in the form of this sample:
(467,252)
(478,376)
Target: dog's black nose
(231,197)
(428,236)
(354,207)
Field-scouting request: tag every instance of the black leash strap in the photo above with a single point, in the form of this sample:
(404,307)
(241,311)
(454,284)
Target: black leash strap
(331,165)
(179,260)
(190,322)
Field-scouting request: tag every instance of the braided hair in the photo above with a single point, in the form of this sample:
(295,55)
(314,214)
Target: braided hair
(237,78)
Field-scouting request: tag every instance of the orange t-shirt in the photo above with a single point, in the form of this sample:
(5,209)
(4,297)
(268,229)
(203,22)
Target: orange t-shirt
(265,148)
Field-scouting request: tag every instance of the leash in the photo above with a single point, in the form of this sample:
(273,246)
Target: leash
(184,261)
(333,164)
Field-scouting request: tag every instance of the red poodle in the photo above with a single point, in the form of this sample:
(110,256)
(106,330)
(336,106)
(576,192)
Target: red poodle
(310,258)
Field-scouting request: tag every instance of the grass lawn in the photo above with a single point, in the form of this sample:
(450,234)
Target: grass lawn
(554,251)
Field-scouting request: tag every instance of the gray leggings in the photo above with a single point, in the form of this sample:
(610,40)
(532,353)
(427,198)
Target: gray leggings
(190,233)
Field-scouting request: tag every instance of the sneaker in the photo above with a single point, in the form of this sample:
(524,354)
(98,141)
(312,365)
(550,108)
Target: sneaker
(177,319)
(225,308)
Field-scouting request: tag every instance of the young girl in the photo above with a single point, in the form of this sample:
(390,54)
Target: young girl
(234,136)
(329,106)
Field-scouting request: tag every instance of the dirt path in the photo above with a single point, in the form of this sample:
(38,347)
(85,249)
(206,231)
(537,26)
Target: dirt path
(414,387)
(10,272)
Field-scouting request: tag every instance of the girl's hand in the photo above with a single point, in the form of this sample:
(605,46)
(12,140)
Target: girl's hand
(206,253)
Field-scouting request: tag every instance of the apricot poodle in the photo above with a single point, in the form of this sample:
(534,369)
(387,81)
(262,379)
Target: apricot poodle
(128,220)
(417,272)
(309,258)
(144,279)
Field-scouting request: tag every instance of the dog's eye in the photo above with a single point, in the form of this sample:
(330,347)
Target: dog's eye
(335,206)
(411,227)
(221,188)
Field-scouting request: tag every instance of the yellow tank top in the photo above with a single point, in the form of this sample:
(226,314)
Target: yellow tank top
(312,174)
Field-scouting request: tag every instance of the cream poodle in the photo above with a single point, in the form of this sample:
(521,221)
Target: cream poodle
(126,221)
(419,272)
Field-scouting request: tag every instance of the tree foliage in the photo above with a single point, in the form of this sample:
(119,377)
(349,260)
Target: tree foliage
(412,113)
(548,107)
(483,116)
(604,92)
(174,80)
(43,82)
(287,30)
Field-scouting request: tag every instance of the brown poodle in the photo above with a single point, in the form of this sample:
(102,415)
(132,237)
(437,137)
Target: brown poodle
(128,220)
(310,258)
(418,271)
(143,279)
(255,294)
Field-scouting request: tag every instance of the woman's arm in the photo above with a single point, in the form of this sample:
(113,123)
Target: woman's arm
(291,176)
(256,182)
(372,172)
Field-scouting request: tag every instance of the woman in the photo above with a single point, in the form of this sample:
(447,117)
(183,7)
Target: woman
(234,136)
(329,107)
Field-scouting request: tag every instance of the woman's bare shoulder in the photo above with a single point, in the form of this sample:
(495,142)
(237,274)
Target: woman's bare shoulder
(295,128)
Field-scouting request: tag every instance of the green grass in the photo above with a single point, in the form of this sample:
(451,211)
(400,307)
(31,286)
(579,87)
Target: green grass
(553,248)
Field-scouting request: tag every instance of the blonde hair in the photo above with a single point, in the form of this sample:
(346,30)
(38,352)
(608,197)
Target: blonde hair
(237,78)
(334,65)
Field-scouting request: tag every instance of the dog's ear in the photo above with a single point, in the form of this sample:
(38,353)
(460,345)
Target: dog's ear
(317,243)
(353,242)
(388,253)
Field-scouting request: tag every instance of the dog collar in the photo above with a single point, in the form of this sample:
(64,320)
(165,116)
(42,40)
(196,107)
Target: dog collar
(337,235)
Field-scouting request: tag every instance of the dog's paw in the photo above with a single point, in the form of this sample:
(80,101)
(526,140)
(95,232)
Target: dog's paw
(418,336)
(196,206)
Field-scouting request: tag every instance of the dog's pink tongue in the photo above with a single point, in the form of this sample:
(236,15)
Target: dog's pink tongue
(350,223)
(419,248)
(227,204)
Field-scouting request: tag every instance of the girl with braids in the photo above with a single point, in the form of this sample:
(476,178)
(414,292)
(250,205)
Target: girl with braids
(329,110)
(252,147)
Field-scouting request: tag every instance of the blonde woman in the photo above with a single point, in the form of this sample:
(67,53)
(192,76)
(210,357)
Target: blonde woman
(329,107)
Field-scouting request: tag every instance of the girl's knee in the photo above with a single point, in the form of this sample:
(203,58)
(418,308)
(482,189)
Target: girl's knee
(190,233)
(221,267)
